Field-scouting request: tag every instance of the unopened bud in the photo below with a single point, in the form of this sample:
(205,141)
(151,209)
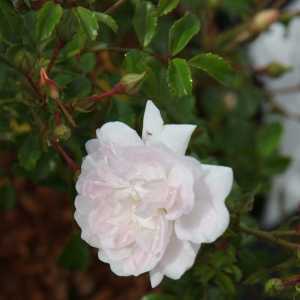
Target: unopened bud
(48,83)
(276,69)
(131,82)
(264,19)
(62,132)
(274,286)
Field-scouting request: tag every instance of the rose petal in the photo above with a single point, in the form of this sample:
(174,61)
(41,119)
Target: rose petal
(119,134)
(153,122)
(156,277)
(209,217)
(178,258)
(176,137)
(92,145)
(181,179)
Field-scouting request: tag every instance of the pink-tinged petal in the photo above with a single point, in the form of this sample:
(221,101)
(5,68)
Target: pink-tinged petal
(153,122)
(117,267)
(92,145)
(118,134)
(178,258)
(176,137)
(155,277)
(209,217)
(180,179)
(151,245)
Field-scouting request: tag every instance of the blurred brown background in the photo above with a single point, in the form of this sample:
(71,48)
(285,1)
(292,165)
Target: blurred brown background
(33,236)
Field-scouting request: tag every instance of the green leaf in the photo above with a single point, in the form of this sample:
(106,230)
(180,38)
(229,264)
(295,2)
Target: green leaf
(7,197)
(166,6)
(75,45)
(76,255)
(181,32)
(225,282)
(269,138)
(30,152)
(107,20)
(87,62)
(10,22)
(47,19)
(216,67)
(88,21)
(179,77)
(145,22)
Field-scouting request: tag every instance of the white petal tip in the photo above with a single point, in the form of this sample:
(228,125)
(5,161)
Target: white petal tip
(155,278)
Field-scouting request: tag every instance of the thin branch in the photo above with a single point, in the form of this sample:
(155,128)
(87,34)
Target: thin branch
(54,56)
(70,162)
(117,89)
(268,236)
(115,6)
(65,112)
(285,233)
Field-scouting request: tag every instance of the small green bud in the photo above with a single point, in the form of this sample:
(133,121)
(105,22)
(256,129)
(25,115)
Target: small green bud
(275,69)
(264,19)
(131,82)
(62,132)
(273,286)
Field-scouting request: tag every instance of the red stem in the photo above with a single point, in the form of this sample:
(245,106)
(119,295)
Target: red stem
(34,86)
(291,281)
(70,162)
(117,89)
(57,117)
(55,55)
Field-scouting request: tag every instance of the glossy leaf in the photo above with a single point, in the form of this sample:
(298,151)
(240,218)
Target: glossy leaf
(88,21)
(47,19)
(166,6)
(145,22)
(179,77)
(216,67)
(181,32)
(107,20)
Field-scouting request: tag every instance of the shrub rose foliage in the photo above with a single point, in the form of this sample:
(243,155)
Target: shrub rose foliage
(149,203)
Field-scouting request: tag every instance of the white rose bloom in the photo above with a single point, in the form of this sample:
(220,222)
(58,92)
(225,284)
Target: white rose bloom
(145,205)
(281,44)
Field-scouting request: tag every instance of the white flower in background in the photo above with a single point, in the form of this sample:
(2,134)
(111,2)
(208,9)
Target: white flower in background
(145,205)
(281,44)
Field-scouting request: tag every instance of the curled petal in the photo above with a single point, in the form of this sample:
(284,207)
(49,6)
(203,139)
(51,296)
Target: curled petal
(181,180)
(209,217)
(178,258)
